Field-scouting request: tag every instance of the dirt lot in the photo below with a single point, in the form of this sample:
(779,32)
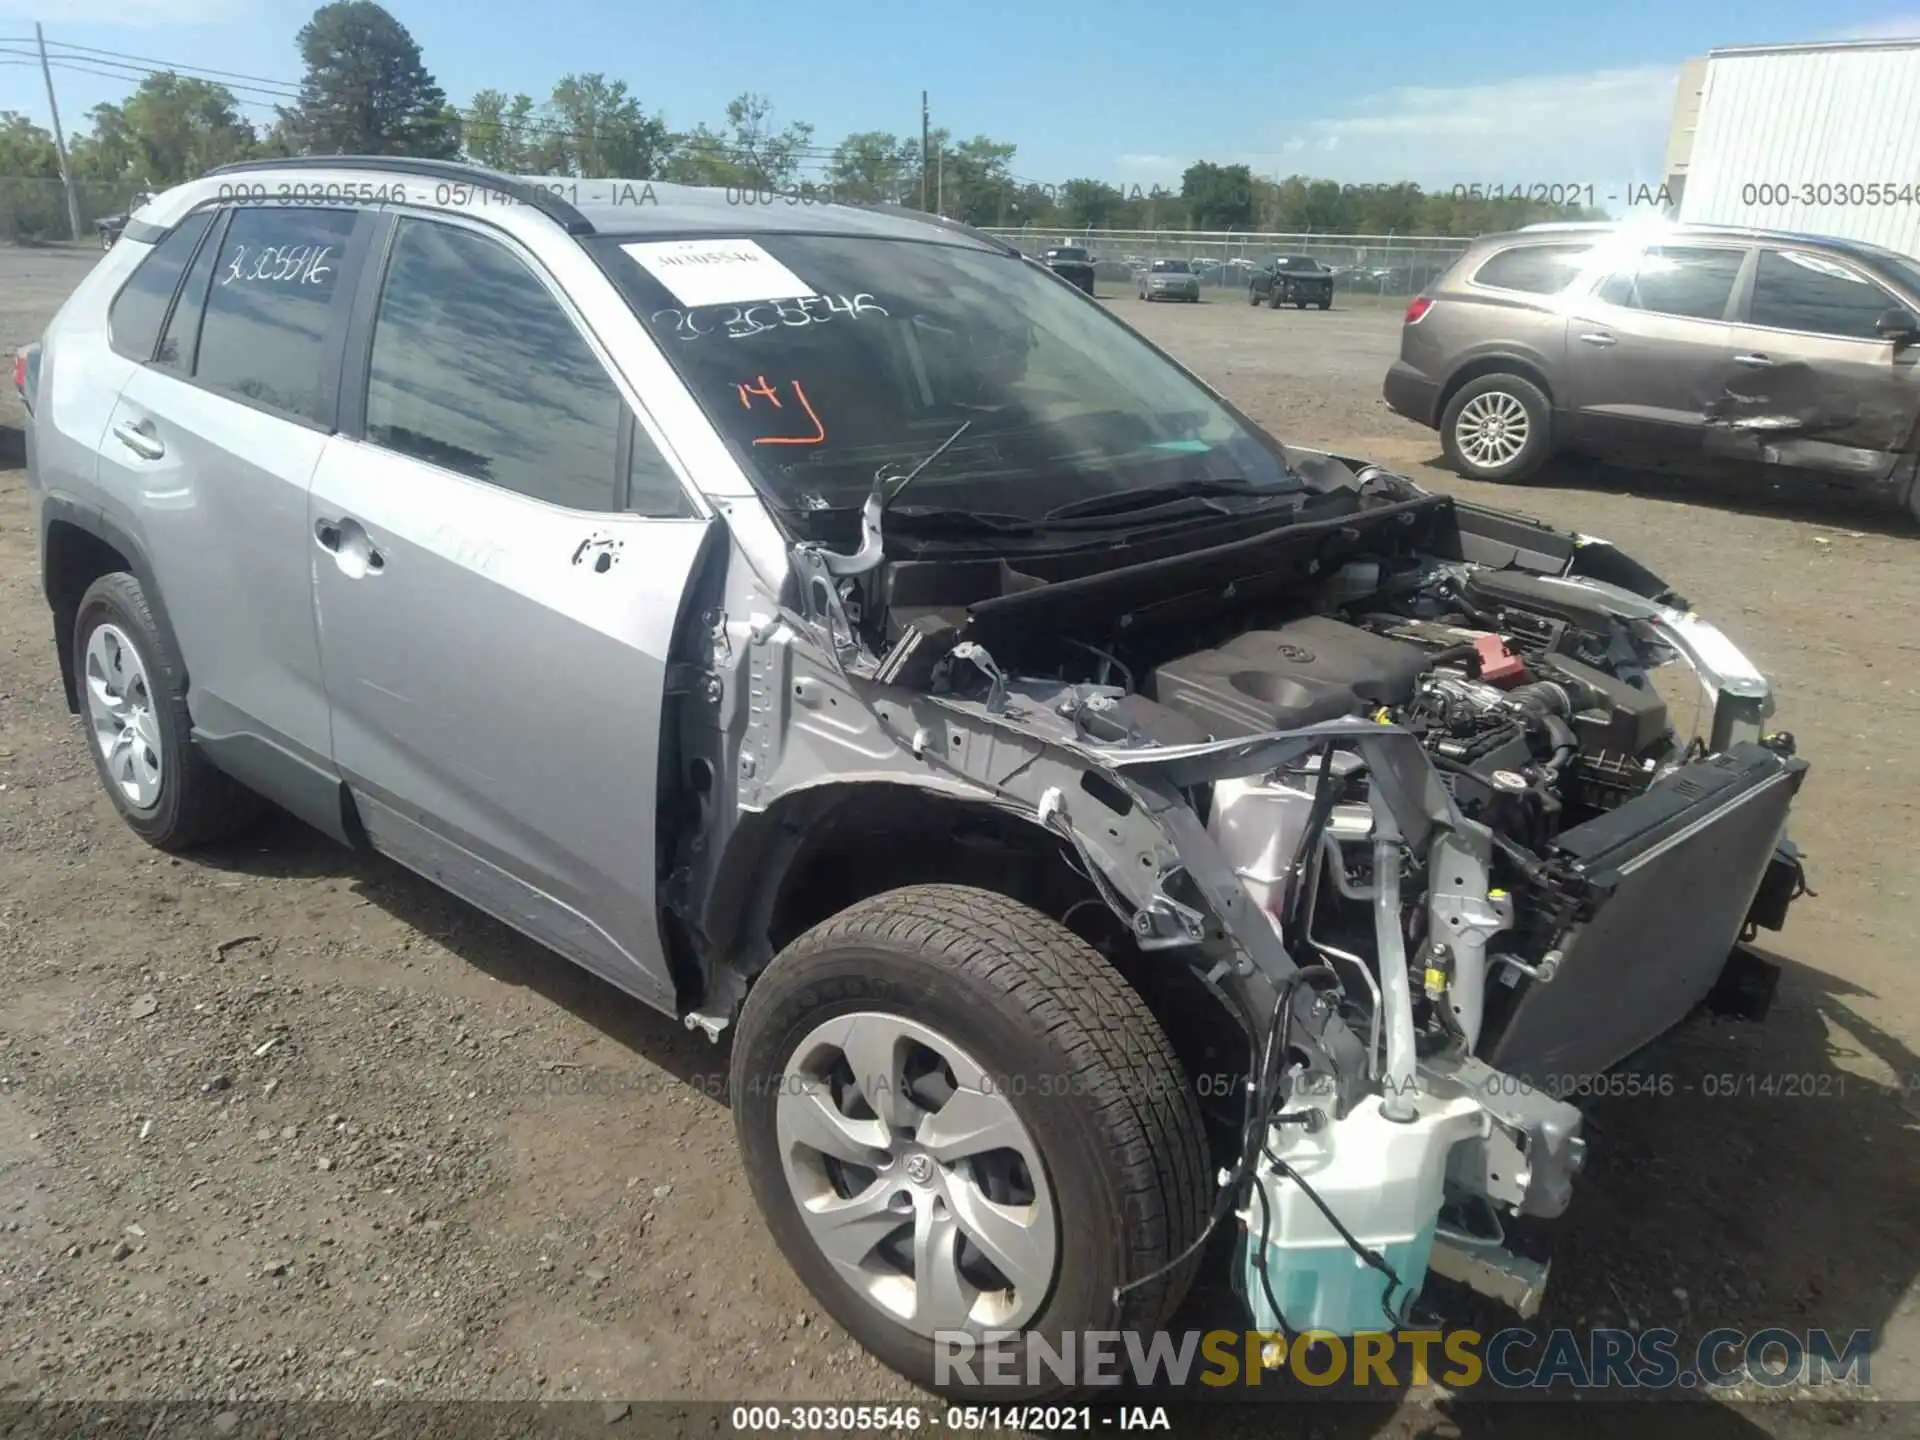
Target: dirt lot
(280,1122)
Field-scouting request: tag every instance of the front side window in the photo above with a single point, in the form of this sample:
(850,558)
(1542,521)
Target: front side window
(1691,281)
(1532,269)
(476,368)
(874,351)
(140,309)
(276,280)
(1793,290)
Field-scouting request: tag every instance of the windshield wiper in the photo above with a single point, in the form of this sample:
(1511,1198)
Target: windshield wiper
(1144,497)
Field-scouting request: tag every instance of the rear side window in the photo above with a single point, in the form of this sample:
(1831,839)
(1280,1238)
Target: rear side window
(1796,291)
(1691,281)
(182,337)
(264,336)
(478,369)
(140,309)
(1532,269)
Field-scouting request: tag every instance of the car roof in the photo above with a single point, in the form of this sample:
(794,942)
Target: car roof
(629,209)
(1551,231)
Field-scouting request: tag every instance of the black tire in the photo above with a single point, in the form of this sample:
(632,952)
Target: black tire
(1253,297)
(1326,304)
(1274,300)
(1539,440)
(196,803)
(1023,995)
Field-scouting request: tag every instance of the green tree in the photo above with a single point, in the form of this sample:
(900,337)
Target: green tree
(172,128)
(874,165)
(749,151)
(973,181)
(366,92)
(498,131)
(600,131)
(1091,205)
(1219,197)
(26,150)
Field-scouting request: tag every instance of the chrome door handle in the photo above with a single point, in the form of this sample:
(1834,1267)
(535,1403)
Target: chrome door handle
(1599,337)
(350,545)
(1753,360)
(138,436)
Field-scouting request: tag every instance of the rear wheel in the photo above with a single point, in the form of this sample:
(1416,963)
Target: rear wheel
(133,701)
(1326,304)
(1253,297)
(956,1117)
(1497,427)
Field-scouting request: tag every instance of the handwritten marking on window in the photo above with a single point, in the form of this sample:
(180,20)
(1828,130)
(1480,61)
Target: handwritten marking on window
(301,264)
(758,388)
(741,322)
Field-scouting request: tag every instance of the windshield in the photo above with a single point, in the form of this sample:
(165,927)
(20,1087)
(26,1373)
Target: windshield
(1299,262)
(1068,253)
(899,343)
(1172,267)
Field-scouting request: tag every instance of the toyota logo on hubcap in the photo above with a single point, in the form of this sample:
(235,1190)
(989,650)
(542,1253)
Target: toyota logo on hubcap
(919,1169)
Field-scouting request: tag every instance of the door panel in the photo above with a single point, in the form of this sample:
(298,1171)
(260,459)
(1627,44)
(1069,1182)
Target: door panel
(219,489)
(1827,395)
(496,693)
(1646,349)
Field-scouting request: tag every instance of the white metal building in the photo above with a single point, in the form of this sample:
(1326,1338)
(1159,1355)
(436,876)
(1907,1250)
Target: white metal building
(1822,139)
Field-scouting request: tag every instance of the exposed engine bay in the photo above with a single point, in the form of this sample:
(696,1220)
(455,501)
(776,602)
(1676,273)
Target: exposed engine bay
(1397,783)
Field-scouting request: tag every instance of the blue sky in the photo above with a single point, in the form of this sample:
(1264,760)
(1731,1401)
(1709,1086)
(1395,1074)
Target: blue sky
(1497,91)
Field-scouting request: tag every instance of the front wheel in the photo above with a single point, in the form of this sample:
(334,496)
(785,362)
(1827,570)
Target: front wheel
(1497,427)
(956,1117)
(1326,304)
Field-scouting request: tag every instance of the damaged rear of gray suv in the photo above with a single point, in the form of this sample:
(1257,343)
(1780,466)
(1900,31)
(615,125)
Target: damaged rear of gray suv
(1093,822)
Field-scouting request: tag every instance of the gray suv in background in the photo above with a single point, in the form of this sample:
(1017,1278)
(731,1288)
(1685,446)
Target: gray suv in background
(1678,345)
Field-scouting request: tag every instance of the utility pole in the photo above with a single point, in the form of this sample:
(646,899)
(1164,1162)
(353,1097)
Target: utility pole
(925,145)
(59,140)
(940,182)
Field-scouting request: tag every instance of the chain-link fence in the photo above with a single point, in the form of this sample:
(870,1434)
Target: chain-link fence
(34,212)
(1388,265)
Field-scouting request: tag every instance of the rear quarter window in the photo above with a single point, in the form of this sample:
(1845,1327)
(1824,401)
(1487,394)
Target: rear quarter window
(1531,269)
(140,309)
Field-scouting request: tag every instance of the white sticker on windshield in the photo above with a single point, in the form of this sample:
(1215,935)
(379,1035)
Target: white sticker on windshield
(718,272)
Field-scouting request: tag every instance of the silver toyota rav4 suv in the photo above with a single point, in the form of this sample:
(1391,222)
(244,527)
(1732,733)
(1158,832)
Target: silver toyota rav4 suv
(1091,821)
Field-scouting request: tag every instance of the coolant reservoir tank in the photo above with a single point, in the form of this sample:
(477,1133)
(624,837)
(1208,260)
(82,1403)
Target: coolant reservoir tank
(1385,1181)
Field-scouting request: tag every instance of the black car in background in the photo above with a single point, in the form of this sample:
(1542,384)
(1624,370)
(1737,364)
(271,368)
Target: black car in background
(1073,264)
(1292,280)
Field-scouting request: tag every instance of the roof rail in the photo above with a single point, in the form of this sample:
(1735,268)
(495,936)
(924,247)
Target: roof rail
(536,196)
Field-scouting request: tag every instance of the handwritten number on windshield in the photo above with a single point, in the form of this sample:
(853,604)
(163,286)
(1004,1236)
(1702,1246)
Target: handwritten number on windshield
(742,322)
(759,389)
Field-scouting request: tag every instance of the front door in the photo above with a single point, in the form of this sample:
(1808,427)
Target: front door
(498,572)
(1810,384)
(1646,347)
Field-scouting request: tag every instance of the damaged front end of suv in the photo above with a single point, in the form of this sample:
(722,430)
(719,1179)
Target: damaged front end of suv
(1370,792)
(1416,817)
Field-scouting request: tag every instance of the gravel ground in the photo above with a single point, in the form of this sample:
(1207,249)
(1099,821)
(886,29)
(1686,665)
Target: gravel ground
(278,1122)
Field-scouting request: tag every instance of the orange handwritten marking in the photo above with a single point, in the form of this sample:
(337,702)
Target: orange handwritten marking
(819,430)
(762,388)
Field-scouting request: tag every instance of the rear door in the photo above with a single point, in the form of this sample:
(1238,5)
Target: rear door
(499,553)
(1809,383)
(208,454)
(1646,347)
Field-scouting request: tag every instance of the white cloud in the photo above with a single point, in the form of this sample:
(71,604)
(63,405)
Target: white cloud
(1603,127)
(132,14)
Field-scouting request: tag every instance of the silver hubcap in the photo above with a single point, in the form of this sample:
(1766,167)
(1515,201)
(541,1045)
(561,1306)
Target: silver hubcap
(120,710)
(1492,428)
(917,1181)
